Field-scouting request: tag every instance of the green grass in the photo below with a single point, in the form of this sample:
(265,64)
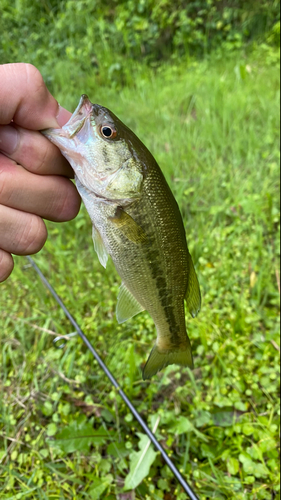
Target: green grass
(214,128)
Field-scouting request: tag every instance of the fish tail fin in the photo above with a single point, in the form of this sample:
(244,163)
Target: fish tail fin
(158,360)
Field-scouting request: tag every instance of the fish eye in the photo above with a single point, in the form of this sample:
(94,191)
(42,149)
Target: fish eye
(108,132)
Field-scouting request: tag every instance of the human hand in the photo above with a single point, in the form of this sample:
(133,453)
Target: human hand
(34,176)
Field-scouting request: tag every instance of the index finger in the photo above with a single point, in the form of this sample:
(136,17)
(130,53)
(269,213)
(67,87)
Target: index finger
(25,99)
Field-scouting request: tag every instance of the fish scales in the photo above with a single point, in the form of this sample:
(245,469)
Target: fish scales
(155,273)
(142,232)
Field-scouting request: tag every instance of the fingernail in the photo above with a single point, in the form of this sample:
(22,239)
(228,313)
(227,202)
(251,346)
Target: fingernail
(9,138)
(62,116)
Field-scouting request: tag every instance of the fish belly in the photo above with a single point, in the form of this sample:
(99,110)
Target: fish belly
(154,270)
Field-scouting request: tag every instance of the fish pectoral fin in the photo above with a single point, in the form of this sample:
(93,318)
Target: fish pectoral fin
(127,305)
(158,360)
(128,226)
(99,247)
(193,294)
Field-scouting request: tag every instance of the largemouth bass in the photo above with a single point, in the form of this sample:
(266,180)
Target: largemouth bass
(136,220)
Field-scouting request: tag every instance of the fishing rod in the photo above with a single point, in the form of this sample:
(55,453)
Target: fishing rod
(114,382)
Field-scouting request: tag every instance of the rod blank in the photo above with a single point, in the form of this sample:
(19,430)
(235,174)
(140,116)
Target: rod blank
(114,382)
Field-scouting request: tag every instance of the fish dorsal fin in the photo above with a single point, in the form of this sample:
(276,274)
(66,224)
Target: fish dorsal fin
(127,305)
(99,247)
(128,226)
(193,295)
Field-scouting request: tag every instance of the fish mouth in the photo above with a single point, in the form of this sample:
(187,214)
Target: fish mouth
(76,122)
(76,141)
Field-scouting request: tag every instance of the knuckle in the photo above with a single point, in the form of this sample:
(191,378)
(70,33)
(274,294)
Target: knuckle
(5,166)
(2,178)
(7,171)
(43,158)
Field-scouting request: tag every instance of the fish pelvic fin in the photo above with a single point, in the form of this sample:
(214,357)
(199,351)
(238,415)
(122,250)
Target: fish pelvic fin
(159,360)
(99,247)
(127,305)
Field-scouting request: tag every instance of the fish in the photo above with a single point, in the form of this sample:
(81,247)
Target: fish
(137,222)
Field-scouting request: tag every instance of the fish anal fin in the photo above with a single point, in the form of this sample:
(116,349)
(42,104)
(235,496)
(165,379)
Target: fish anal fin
(99,247)
(160,359)
(127,305)
(193,294)
(128,226)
